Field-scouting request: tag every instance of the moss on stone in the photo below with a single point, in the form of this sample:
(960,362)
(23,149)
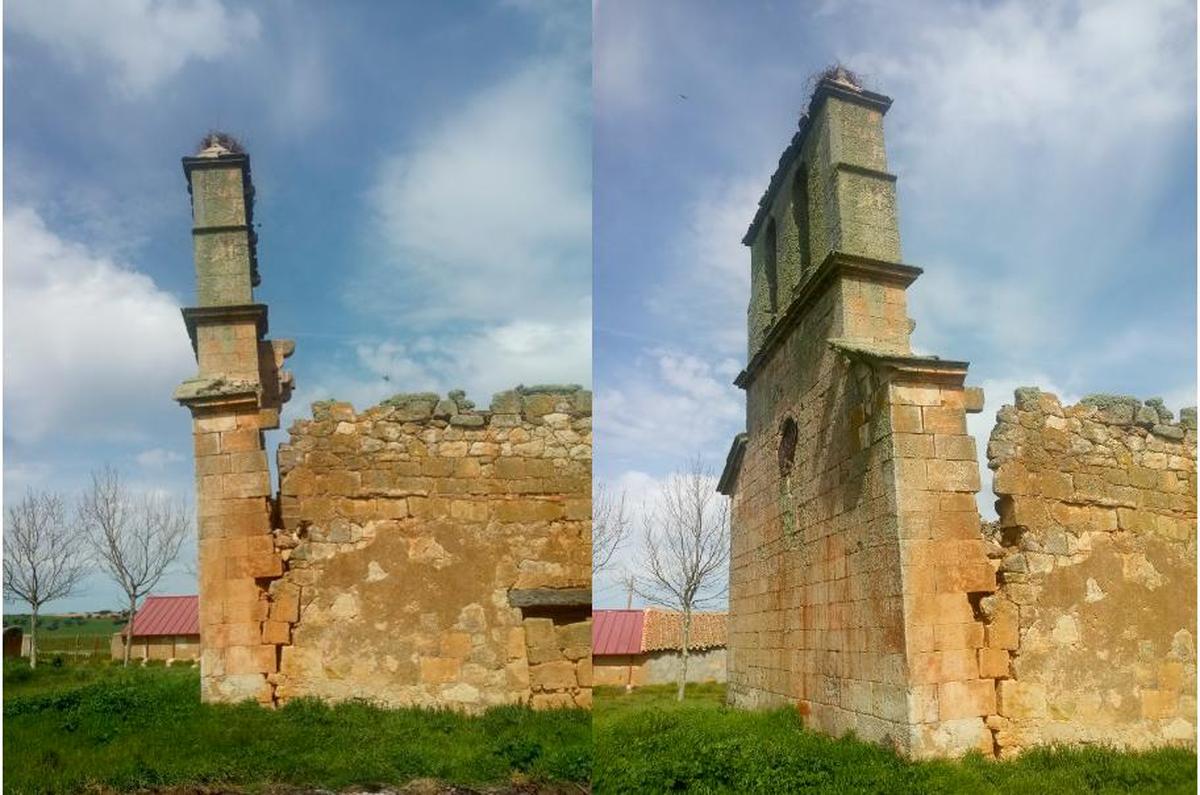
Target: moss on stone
(548,389)
(406,398)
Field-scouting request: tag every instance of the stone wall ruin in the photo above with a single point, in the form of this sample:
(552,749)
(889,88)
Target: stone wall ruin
(1095,606)
(864,588)
(418,553)
(406,528)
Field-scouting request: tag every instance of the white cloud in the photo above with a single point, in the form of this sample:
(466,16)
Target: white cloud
(668,407)
(91,347)
(144,42)
(623,52)
(949,303)
(492,359)
(158,458)
(1022,80)
(487,216)
(708,280)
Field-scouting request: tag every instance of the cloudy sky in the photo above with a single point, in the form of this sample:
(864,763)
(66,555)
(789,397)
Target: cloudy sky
(424,187)
(1046,154)
(426,177)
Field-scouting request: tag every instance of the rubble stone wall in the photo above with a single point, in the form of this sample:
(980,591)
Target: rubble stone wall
(1097,550)
(404,529)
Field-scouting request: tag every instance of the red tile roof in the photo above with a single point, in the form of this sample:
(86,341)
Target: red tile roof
(616,632)
(168,615)
(638,631)
(663,629)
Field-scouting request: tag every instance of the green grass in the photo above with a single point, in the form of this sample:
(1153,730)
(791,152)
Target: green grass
(99,725)
(647,742)
(70,636)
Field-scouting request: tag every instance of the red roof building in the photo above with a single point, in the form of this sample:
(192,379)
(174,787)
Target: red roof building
(167,615)
(165,628)
(644,647)
(617,632)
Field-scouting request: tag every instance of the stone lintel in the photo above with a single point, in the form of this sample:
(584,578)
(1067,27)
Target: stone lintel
(733,465)
(835,266)
(194,316)
(550,597)
(904,367)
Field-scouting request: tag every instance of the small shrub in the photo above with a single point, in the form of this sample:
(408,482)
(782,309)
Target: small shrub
(17,670)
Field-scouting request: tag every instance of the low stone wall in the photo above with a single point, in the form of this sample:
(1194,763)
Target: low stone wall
(162,647)
(406,527)
(659,668)
(1093,620)
(705,665)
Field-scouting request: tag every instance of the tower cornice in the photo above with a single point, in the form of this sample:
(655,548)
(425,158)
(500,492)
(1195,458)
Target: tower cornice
(835,266)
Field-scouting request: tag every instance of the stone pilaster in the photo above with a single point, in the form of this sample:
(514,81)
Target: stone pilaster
(235,396)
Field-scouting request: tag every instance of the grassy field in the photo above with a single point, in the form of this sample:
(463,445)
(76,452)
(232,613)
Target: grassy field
(646,742)
(100,726)
(70,636)
(55,626)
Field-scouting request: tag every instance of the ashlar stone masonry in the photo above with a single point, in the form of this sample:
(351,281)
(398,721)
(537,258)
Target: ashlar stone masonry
(420,552)
(863,588)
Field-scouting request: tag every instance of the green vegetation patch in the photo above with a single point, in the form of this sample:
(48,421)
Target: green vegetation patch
(647,742)
(69,627)
(104,726)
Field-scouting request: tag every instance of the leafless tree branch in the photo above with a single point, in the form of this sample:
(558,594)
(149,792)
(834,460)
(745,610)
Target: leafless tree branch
(685,549)
(43,561)
(135,538)
(610,526)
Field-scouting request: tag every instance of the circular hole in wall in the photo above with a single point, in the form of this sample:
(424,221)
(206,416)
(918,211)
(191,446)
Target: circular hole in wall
(787,445)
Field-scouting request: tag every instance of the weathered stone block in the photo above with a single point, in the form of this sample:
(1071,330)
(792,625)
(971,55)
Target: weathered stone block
(558,675)
(437,670)
(1020,701)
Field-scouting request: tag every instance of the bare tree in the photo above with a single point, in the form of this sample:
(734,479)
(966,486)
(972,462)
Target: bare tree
(685,549)
(135,538)
(42,559)
(610,527)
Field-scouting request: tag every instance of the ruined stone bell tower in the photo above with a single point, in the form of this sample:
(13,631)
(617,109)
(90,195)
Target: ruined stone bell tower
(857,562)
(235,396)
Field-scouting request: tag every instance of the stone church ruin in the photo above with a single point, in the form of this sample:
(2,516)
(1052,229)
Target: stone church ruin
(419,552)
(864,588)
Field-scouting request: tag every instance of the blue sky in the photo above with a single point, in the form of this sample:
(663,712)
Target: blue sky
(423,175)
(429,176)
(1046,154)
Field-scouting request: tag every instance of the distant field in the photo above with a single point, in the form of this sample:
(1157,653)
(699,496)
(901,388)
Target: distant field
(645,741)
(70,636)
(57,626)
(101,728)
